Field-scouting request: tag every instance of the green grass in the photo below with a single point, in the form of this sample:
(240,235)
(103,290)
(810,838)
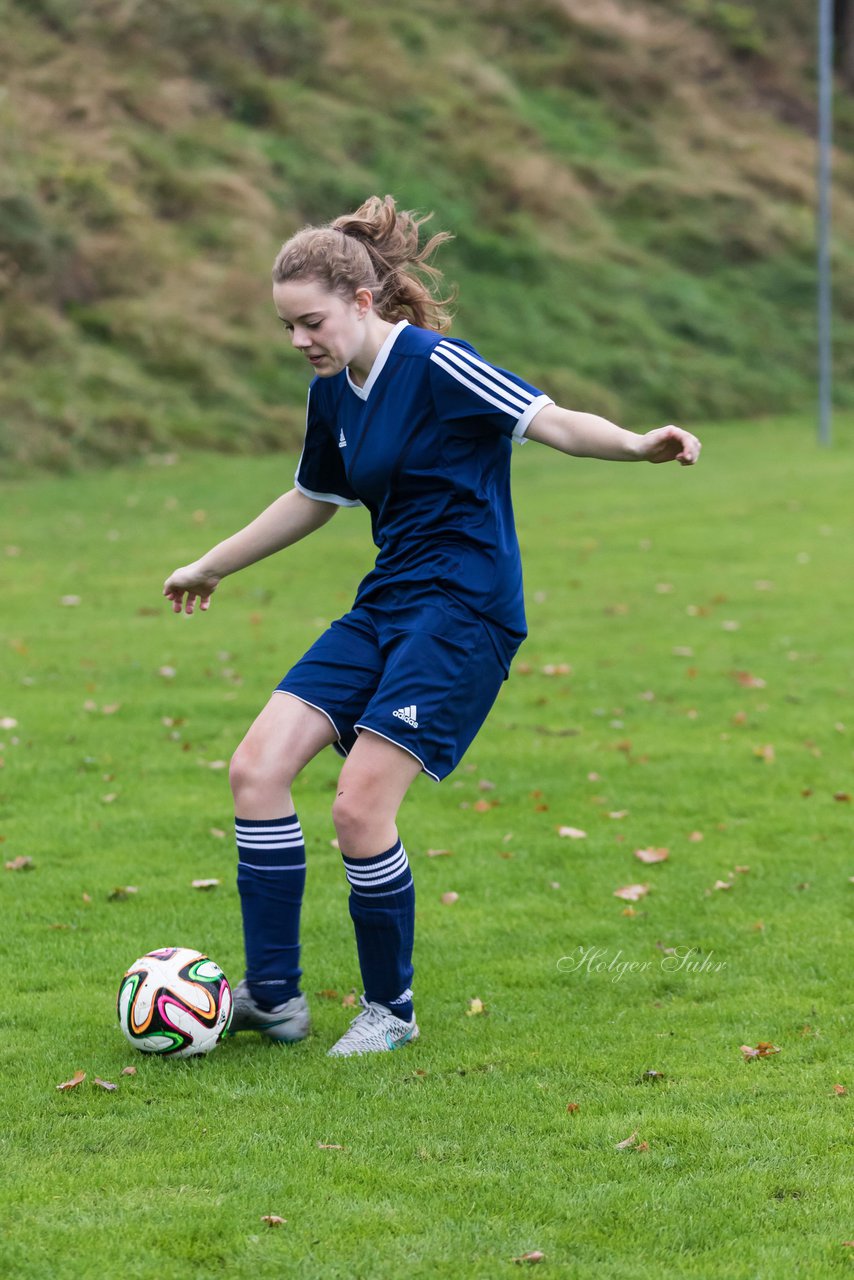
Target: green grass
(459,1153)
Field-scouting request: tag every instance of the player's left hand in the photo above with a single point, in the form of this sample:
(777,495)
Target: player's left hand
(670,444)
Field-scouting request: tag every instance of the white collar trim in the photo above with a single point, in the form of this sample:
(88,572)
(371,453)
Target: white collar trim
(379,364)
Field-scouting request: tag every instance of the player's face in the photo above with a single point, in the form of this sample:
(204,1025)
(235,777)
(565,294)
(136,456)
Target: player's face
(325,327)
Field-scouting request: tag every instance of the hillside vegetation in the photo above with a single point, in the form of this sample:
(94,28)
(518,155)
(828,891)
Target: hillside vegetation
(630,186)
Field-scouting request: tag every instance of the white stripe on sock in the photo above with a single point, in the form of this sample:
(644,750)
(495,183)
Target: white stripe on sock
(380,874)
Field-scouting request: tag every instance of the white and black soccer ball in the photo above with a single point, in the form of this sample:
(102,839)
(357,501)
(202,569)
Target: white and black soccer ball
(174,1002)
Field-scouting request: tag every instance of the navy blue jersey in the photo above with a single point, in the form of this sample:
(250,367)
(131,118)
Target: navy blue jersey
(425,445)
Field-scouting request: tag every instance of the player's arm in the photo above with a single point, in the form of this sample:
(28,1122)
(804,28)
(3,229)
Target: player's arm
(291,517)
(584,435)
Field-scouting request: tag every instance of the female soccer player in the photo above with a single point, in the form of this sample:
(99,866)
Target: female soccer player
(418,428)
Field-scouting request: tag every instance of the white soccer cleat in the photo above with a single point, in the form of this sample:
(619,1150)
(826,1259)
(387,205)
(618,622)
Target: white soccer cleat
(287,1022)
(375,1030)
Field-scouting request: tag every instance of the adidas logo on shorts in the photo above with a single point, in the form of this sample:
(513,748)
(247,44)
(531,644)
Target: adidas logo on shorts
(407,714)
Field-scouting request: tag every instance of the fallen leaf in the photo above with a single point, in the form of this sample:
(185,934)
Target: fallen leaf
(273,1220)
(627,1142)
(69,601)
(76,1079)
(330,1146)
(8,722)
(556,669)
(218,832)
(653,1076)
(485,785)
(475,1006)
(104,1084)
(168,673)
(109,798)
(110,708)
(483,806)
(350,1001)
(572,833)
(682,651)
(128,1071)
(764,1049)
(21,863)
(765,753)
(329,993)
(448,898)
(217,764)
(695,837)
(594,777)
(722,884)
(534,1256)
(747,680)
(632,892)
(87,898)
(572,1107)
(652,855)
(842,796)
(439,853)
(205,884)
(617,814)
(839,1090)
(555,884)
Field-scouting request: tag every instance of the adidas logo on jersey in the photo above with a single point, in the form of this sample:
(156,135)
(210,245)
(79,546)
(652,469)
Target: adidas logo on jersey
(342,443)
(407,714)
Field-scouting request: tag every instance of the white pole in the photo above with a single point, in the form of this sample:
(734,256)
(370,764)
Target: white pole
(825,125)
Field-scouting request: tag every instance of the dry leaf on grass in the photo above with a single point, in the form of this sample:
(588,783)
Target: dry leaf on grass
(764,1049)
(484,806)
(350,1001)
(652,855)
(273,1220)
(439,853)
(205,884)
(449,897)
(535,1255)
(627,1142)
(330,1146)
(475,1006)
(76,1079)
(21,863)
(839,1090)
(128,1071)
(632,892)
(572,833)
(329,993)
(104,1084)
(572,1107)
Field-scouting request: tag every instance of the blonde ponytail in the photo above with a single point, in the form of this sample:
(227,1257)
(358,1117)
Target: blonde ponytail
(374,248)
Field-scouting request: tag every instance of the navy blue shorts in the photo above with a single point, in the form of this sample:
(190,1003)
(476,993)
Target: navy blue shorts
(423,676)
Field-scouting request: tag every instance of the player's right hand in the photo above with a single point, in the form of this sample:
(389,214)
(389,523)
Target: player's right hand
(187,585)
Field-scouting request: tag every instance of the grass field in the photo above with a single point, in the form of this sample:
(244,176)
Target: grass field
(705,616)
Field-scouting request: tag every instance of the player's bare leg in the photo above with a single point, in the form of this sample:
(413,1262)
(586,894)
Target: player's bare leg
(279,744)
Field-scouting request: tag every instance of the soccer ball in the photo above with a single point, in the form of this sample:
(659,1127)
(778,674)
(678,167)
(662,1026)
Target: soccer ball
(174,1002)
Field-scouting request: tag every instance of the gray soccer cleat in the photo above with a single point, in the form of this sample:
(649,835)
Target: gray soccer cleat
(375,1030)
(287,1022)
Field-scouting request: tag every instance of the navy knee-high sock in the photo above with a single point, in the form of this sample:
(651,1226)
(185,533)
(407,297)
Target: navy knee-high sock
(382,908)
(271,880)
